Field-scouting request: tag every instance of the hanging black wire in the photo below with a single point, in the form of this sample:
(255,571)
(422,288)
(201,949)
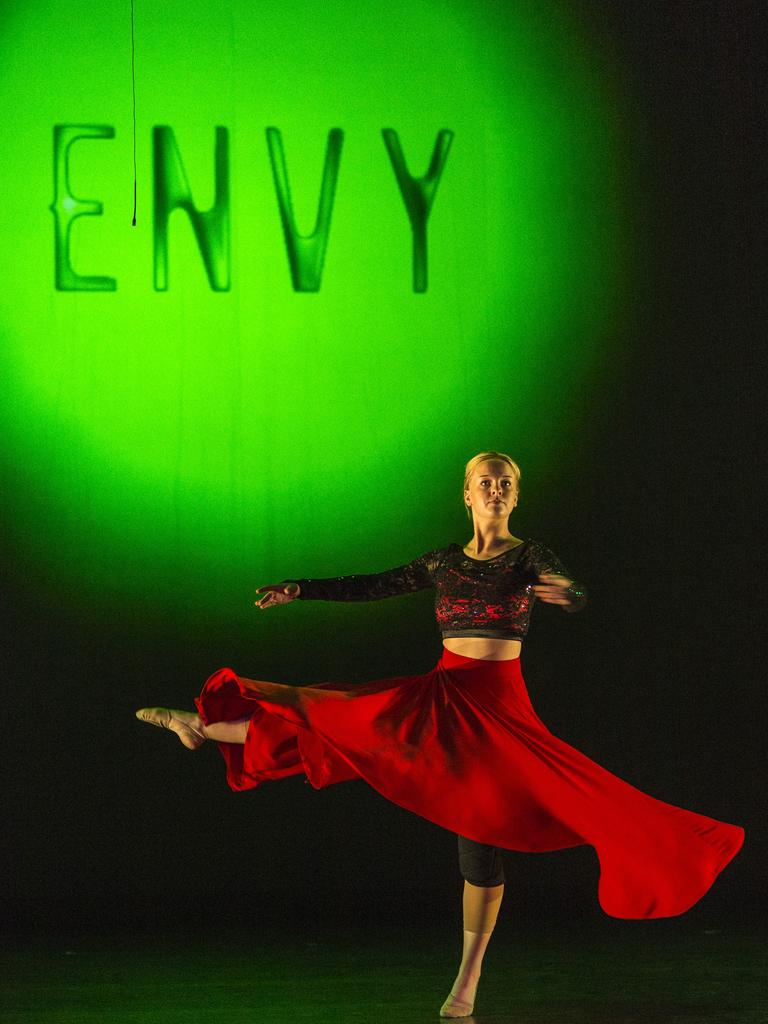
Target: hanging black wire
(133,83)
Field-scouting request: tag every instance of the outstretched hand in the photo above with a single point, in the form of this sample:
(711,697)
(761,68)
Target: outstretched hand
(551,588)
(277,593)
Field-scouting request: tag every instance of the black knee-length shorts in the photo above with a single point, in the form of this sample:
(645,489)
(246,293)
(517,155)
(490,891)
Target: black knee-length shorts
(479,863)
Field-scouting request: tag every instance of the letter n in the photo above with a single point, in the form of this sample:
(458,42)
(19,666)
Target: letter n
(172,190)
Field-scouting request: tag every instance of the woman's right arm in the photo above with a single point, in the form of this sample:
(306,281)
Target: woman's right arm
(404,579)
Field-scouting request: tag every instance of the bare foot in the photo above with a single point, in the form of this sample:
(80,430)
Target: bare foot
(187,725)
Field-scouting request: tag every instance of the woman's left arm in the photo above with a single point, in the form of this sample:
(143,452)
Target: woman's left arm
(555,584)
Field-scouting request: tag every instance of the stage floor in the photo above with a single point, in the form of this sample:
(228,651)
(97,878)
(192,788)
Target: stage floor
(617,973)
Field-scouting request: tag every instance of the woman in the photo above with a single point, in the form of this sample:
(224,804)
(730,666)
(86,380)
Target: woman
(462,745)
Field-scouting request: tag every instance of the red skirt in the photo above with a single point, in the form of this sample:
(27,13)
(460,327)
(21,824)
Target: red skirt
(463,747)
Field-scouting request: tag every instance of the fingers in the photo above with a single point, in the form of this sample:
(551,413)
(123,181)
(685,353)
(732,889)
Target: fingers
(553,590)
(553,577)
(268,599)
(551,595)
(276,593)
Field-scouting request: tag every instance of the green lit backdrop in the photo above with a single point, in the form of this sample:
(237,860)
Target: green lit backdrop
(589,308)
(257,429)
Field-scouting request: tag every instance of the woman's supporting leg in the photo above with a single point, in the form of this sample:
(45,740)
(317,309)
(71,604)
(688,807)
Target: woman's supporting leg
(481,901)
(481,909)
(189,727)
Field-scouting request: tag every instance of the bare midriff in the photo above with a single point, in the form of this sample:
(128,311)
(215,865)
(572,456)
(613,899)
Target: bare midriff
(485,648)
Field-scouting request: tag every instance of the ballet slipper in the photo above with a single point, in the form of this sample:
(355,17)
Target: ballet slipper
(177,722)
(453,1007)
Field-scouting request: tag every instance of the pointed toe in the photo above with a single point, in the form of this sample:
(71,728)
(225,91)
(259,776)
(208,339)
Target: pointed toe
(180,722)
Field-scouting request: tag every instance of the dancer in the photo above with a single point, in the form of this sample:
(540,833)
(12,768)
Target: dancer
(461,745)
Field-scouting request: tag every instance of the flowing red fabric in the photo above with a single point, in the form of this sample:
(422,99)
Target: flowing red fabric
(462,746)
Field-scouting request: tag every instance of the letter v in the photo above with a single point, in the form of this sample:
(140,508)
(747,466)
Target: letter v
(306,252)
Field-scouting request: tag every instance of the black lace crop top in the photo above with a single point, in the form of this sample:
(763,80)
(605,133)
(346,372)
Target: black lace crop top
(491,597)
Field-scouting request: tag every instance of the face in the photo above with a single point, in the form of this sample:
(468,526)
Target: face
(492,492)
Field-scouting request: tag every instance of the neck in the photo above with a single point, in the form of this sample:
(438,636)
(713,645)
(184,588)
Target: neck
(487,538)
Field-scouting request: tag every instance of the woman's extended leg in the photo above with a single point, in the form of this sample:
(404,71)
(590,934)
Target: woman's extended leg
(189,727)
(481,901)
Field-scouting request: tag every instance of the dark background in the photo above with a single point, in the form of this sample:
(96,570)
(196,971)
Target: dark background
(656,506)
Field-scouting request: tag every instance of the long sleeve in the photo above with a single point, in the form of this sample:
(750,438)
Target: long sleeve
(404,579)
(543,560)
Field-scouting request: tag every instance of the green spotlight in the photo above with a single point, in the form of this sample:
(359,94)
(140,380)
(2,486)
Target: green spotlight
(292,374)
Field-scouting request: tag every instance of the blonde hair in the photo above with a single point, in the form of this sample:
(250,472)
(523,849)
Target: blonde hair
(483,457)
